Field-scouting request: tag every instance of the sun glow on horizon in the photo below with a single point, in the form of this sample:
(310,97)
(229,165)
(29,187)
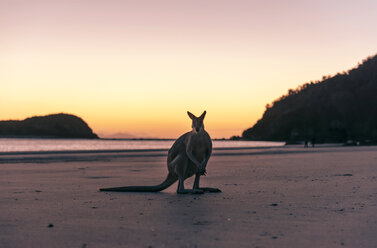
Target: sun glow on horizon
(137,67)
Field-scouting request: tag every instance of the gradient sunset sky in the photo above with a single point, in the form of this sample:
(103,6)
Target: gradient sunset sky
(138,66)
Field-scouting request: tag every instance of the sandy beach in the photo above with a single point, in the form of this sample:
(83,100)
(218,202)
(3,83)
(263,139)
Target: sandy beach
(277,197)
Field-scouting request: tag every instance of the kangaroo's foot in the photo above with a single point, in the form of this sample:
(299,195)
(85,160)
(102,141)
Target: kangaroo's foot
(190,191)
(211,190)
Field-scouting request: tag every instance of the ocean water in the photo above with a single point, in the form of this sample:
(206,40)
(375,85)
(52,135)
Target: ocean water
(44,145)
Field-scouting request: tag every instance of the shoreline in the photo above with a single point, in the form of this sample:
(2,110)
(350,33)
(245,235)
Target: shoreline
(165,150)
(93,155)
(59,146)
(126,150)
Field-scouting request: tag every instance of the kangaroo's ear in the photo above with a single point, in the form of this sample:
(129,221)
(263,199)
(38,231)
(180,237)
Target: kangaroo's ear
(191,115)
(203,115)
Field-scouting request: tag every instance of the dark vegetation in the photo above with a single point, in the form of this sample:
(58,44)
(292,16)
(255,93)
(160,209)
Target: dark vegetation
(341,108)
(49,126)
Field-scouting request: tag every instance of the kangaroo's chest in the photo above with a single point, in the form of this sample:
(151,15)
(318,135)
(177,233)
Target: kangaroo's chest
(200,147)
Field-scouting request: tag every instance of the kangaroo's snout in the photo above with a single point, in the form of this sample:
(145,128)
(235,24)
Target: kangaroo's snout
(197,129)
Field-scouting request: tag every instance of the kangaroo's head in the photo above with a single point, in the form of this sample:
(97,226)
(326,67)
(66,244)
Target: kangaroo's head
(197,122)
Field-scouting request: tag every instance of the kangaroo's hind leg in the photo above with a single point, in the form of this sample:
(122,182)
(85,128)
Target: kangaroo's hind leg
(181,188)
(204,189)
(180,165)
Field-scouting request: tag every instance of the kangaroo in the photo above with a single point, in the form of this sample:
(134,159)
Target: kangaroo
(188,156)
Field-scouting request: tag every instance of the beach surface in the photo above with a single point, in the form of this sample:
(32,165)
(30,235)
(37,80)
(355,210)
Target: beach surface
(271,197)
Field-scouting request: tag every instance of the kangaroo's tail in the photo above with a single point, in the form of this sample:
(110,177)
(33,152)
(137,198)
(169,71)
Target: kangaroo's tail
(170,179)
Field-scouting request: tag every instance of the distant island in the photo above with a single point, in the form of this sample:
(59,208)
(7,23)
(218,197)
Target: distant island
(49,126)
(341,108)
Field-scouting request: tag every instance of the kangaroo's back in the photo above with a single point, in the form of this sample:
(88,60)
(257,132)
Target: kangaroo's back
(179,147)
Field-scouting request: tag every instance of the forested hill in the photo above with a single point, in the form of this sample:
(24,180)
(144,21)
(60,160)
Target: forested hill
(336,109)
(49,126)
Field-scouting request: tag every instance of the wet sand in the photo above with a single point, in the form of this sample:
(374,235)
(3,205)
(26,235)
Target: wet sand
(279,197)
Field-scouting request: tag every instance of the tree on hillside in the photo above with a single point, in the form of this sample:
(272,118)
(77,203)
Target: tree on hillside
(335,109)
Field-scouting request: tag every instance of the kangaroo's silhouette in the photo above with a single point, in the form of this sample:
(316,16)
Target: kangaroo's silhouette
(188,156)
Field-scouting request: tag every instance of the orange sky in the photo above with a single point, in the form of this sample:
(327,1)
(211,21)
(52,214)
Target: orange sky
(138,66)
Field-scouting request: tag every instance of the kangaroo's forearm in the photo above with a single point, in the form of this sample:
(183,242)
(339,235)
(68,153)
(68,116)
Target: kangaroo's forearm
(194,160)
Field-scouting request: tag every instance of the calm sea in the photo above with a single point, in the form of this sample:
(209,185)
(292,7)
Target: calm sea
(41,145)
